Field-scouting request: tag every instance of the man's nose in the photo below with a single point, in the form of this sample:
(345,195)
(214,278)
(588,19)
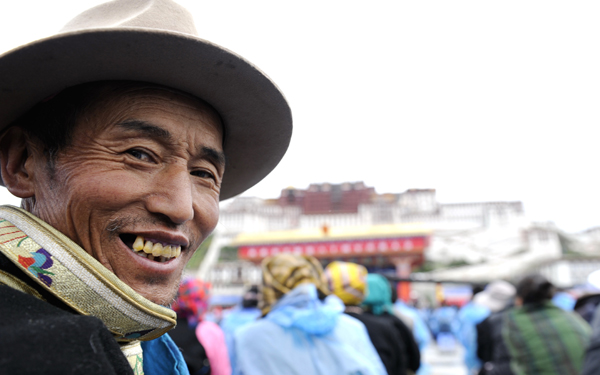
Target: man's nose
(172,195)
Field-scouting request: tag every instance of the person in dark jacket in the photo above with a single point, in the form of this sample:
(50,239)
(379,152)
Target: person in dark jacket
(390,336)
(378,302)
(591,364)
(497,297)
(541,337)
(491,348)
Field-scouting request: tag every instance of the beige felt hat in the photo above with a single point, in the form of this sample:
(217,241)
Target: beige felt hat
(155,41)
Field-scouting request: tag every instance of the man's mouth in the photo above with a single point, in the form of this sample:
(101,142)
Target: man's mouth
(151,249)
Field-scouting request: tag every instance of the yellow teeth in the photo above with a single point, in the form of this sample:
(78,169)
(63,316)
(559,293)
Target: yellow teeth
(148,247)
(139,243)
(155,250)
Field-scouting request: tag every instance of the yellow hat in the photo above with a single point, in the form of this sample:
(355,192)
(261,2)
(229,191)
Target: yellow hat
(347,281)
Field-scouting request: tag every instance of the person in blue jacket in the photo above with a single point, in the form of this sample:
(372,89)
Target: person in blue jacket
(304,330)
(238,317)
(469,316)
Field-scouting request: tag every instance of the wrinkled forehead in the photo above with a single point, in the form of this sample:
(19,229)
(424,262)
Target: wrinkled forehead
(113,101)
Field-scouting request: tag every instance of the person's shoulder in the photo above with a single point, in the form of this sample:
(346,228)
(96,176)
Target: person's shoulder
(392,318)
(498,316)
(377,324)
(23,313)
(351,320)
(348,325)
(577,319)
(379,320)
(16,306)
(259,327)
(35,333)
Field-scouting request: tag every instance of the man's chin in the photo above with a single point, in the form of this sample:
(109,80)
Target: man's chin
(160,293)
(160,298)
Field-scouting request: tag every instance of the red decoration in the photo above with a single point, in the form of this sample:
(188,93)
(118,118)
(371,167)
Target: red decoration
(26,262)
(339,249)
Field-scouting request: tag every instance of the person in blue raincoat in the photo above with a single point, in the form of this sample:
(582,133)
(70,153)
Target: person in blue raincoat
(238,317)
(469,316)
(443,320)
(303,330)
(420,331)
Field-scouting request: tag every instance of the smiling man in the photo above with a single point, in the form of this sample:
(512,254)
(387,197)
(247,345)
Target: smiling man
(135,182)
(120,134)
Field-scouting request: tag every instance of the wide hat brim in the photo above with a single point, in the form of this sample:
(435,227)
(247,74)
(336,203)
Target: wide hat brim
(256,117)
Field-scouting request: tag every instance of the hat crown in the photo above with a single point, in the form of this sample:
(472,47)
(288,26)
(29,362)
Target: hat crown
(163,15)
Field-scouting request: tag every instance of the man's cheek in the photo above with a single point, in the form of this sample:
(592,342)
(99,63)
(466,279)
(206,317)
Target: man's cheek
(208,213)
(112,190)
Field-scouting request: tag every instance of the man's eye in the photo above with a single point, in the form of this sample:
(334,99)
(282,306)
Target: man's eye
(139,154)
(203,174)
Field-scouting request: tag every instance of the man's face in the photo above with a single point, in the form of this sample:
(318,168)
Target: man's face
(145,167)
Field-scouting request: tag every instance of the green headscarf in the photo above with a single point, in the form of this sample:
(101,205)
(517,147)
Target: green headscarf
(379,295)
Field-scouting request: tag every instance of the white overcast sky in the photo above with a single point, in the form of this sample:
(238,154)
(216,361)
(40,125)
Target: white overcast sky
(481,100)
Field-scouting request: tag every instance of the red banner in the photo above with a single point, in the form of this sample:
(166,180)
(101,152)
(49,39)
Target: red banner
(339,249)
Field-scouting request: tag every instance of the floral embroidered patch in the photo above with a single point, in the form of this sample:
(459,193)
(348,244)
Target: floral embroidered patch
(38,264)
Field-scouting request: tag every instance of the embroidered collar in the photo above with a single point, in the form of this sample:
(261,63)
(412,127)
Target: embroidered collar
(64,269)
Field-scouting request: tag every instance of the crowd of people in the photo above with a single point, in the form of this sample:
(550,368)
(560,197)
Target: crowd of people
(521,329)
(304,319)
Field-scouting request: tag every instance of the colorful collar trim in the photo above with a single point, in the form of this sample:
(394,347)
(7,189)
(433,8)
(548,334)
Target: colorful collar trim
(64,269)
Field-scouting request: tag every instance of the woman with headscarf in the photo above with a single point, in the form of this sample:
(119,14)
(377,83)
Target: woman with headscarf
(303,330)
(348,281)
(541,337)
(201,341)
(378,302)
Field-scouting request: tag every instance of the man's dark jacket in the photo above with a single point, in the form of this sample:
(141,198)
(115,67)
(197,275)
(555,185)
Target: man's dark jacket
(38,337)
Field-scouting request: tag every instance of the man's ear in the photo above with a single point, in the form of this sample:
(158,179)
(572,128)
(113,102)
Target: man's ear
(16,163)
